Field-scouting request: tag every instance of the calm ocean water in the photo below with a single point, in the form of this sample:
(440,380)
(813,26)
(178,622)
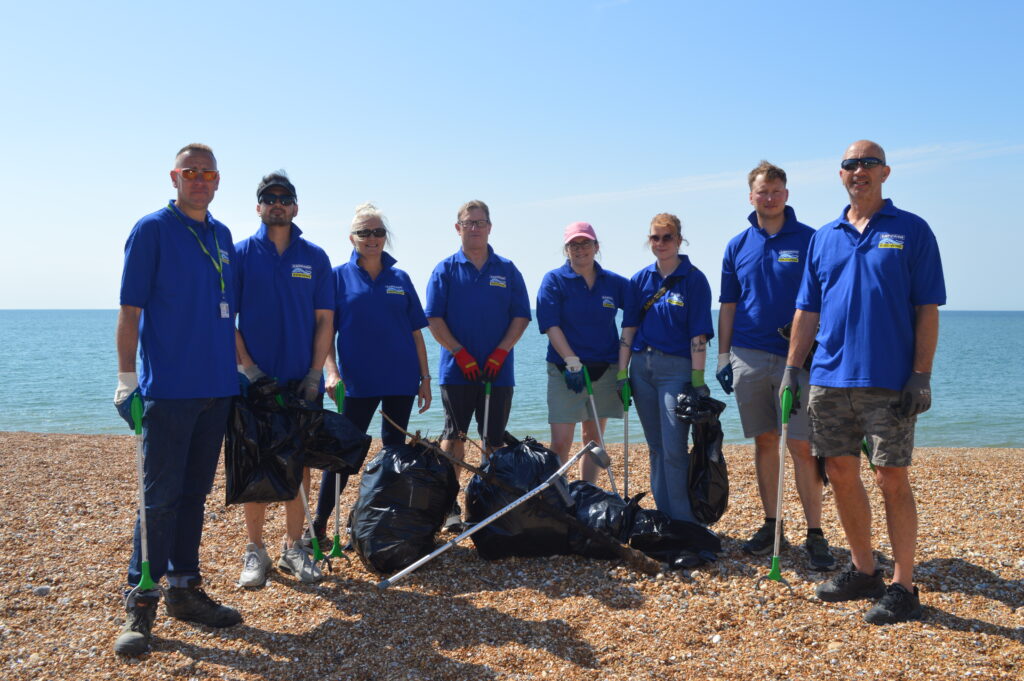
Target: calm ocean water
(59,369)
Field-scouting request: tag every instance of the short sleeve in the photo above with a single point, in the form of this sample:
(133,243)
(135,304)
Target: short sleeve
(549,299)
(140,262)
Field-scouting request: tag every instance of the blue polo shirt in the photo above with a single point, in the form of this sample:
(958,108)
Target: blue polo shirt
(478,306)
(761,273)
(585,315)
(187,348)
(679,315)
(375,320)
(278,296)
(865,287)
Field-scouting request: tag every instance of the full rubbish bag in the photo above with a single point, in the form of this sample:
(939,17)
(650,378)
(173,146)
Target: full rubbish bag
(404,495)
(527,530)
(665,538)
(602,511)
(709,477)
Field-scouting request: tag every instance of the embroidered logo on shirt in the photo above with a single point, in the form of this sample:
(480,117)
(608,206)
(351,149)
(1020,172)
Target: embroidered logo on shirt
(302,271)
(675,299)
(608,302)
(394,290)
(498,280)
(789,256)
(891,241)
(224,257)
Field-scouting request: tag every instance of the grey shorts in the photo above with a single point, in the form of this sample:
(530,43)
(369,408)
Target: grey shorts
(842,417)
(756,378)
(565,406)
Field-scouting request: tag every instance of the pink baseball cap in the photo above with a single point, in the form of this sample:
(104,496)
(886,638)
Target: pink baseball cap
(578,229)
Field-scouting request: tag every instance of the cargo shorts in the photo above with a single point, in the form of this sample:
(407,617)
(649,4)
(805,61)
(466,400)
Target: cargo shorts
(757,376)
(842,417)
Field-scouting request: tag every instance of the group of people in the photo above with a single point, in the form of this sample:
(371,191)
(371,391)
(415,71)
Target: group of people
(204,313)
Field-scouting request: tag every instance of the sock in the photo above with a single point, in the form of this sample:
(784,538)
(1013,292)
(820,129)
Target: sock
(814,530)
(769,521)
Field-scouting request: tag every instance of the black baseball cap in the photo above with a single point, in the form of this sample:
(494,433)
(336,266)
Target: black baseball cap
(278,178)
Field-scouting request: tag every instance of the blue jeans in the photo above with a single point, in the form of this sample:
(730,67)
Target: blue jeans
(360,411)
(181,446)
(657,378)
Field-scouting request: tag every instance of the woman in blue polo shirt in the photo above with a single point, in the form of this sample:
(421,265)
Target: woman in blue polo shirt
(381,354)
(669,350)
(576,308)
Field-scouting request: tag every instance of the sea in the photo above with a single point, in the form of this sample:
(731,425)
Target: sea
(59,371)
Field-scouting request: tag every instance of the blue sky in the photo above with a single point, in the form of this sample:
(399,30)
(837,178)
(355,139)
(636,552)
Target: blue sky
(551,112)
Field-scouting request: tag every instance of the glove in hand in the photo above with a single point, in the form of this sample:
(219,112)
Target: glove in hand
(467,364)
(492,367)
(916,396)
(791,379)
(724,373)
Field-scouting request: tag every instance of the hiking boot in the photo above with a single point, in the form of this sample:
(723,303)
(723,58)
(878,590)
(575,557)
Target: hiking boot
(296,562)
(191,604)
(135,634)
(255,564)
(453,523)
(897,605)
(818,555)
(850,585)
(763,540)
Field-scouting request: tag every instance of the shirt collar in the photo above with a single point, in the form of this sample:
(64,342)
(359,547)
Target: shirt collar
(886,209)
(295,233)
(386,259)
(681,271)
(568,272)
(173,207)
(790,225)
(460,255)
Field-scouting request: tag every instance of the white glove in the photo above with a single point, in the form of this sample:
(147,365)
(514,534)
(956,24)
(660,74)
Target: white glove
(252,372)
(127,382)
(573,364)
(310,386)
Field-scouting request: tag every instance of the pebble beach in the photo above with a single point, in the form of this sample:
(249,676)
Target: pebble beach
(68,502)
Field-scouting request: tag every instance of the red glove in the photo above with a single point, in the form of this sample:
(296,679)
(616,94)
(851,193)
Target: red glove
(492,367)
(470,369)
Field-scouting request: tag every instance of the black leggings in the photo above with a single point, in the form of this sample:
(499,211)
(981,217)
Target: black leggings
(360,411)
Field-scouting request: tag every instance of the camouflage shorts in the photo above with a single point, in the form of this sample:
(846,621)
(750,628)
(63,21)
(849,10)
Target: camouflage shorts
(841,417)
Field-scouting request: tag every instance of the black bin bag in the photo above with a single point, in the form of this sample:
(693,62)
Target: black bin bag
(330,441)
(602,511)
(263,449)
(527,530)
(664,538)
(404,495)
(709,477)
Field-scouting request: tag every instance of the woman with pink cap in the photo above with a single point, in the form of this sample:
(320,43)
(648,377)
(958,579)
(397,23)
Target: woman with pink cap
(576,308)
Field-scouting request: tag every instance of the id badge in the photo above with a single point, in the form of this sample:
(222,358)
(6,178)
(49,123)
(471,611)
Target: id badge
(224,309)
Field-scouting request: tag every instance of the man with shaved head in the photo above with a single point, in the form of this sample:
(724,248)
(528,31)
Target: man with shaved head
(872,290)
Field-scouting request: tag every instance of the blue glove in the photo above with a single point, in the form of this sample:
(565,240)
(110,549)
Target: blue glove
(724,373)
(574,374)
(127,388)
(124,408)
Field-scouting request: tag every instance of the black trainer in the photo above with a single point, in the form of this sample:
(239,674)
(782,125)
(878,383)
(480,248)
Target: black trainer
(135,634)
(897,605)
(818,555)
(192,604)
(453,523)
(763,540)
(850,585)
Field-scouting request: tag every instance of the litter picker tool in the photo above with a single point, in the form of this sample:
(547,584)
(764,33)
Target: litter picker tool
(556,476)
(600,436)
(487,415)
(775,574)
(146,582)
(336,551)
(636,559)
(318,555)
(627,399)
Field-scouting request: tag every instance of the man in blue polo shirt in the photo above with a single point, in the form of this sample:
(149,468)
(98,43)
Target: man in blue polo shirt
(872,288)
(761,273)
(177,312)
(285,328)
(477,308)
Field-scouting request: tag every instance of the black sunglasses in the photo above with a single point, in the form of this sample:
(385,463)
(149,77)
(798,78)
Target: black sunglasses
(271,199)
(654,238)
(379,232)
(868,162)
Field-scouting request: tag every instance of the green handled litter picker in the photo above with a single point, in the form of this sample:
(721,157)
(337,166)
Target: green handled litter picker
(775,574)
(146,582)
(336,550)
(597,424)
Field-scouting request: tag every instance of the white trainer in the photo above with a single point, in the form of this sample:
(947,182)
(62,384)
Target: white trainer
(296,562)
(255,564)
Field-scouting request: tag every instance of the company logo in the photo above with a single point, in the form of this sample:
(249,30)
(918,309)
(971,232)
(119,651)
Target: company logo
(608,302)
(675,299)
(224,256)
(498,280)
(789,256)
(891,241)
(394,290)
(302,271)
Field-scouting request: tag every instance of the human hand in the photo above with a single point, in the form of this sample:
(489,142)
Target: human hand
(424,396)
(724,373)
(916,396)
(127,387)
(309,388)
(467,364)
(623,388)
(791,381)
(492,367)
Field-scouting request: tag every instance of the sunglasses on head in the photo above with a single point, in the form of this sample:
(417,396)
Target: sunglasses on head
(654,238)
(867,163)
(193,173)
(379,232)
(271,199)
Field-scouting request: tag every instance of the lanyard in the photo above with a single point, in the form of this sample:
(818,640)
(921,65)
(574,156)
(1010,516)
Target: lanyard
(218,264)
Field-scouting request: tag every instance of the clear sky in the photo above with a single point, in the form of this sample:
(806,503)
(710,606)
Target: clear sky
(551,112)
